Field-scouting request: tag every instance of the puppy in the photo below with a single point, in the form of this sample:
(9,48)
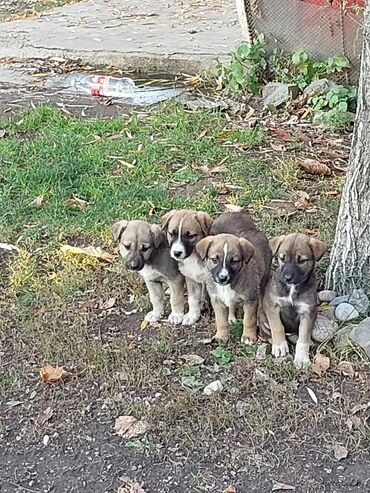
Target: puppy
(144,249)
(184,229)
(238,261)
(290,301)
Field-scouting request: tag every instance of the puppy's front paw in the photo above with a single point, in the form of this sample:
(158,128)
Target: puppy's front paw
(280,350)
(153,316)
(232,318)
(248,339)
(302,356)
(175,318)
(190,318)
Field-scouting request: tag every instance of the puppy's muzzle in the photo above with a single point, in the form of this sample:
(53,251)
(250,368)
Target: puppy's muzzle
(222,278)
(134,264)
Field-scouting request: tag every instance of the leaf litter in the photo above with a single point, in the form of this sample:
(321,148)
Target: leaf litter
(51,374)
(321,364)
(129,486)
(91,251)
(130,427)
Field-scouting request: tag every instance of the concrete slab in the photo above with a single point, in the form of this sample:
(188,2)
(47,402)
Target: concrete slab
(163,36)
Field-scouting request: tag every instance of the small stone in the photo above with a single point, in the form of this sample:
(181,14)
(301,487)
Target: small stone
(263,350)
(360,301)
(327,311)
(338,300)
(319,87)
(346,312)
(326,296)
(323,328)
(46,440)
(260,376)
(213,388)
(360,334)
(341,338)
(275,94)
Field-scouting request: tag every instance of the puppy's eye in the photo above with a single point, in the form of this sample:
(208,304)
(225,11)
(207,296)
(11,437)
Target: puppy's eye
(127,246)
(234,260)
(282,257)
(145,248)
(190,236)
(214,260)
(172,233)
(301,260)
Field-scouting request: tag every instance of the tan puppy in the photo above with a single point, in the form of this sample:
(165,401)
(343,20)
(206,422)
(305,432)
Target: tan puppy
(290,301)
(144,249)
(238,268)
(184,229)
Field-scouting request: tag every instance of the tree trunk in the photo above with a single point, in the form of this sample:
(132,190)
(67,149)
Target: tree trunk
(243,21)
(350,255)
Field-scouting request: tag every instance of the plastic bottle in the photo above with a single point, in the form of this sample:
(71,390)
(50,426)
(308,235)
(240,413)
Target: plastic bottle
(103,85)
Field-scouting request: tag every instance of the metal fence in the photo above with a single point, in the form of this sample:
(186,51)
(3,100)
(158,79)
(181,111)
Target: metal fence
(321,27)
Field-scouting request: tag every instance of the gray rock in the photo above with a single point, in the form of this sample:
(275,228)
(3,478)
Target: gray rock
(259,376)
(213,388)
(194,103)
(360,300)
(326,296)
(341,338)
(263,350)
(346,312)
(327,311)
(319,87)
(360,334)
(274,94)
(338,300)
(324,328)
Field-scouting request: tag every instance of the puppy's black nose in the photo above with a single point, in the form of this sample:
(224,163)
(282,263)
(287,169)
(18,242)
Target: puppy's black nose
(177,253)
(134,264)
(223,278)
(288,277)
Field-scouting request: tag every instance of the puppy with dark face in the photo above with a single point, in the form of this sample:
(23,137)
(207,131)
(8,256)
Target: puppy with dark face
(290,301)
(238,265)
(144,248)
(184,229)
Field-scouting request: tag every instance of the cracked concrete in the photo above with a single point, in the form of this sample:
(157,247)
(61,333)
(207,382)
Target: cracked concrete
(162,36)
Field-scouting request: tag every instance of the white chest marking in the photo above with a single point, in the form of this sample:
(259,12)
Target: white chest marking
(193,268)
(227,295)
(150,274)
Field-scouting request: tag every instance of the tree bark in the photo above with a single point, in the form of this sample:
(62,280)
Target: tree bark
(350,255)
(243,21)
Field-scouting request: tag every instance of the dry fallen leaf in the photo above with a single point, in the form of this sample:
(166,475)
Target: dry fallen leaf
(9,247)
(130,427)
(44,416)
(129,486)
(282,134)
(303,200)
(38,201)
(340,452)
(315,167)
(282,486)
(92,251)
(277,147)
(360,407)
(144,324)
(321,364)
(76,203)
(108,304)
(230,489)
(346,368)
(312,394)
(193,359)
(126,163)
(50,373)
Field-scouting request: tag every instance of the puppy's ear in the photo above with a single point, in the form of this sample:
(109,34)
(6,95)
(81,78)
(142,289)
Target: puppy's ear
(205,221)
(166,219)
(157,235)
(247,249)
(318,248)
(118,228)
(202,246)
(275,244)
